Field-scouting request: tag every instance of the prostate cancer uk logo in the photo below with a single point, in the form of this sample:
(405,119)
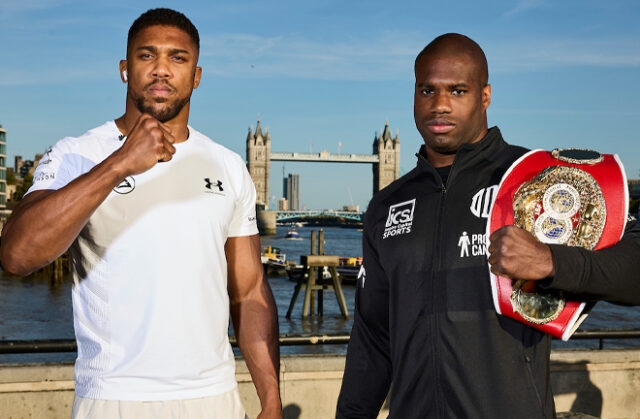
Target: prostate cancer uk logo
(400,219)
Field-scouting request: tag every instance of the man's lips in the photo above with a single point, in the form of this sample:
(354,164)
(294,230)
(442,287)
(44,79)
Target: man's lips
(440,126)
(159,90)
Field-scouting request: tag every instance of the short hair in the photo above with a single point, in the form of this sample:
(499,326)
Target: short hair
(164,17)
(455,43)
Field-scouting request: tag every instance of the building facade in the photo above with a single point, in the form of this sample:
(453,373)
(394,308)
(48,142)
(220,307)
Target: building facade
(388,167)
(258,162)
(3,168)
(283,205)
(291,191)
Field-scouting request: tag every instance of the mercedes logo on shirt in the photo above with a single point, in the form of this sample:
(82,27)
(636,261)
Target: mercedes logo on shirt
(126,186)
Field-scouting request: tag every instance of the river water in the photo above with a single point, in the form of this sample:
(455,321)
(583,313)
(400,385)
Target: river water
(33,308)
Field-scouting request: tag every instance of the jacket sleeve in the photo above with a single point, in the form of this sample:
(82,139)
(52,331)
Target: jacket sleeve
(367,374)
(611,274)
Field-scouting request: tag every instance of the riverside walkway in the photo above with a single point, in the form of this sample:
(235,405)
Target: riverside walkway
(598,383)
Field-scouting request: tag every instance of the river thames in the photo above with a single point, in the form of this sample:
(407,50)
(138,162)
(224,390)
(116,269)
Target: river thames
(33,308)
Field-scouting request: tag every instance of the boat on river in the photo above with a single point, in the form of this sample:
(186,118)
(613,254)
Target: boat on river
(349,269)
(292,233)
(273,260)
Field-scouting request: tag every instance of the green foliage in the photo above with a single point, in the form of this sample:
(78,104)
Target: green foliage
(22,189)
(11,177)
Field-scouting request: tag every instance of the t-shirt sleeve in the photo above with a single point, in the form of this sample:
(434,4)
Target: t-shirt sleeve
(243,222)
(59,166)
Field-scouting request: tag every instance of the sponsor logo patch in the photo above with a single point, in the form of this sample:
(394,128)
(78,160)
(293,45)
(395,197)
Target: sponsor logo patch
(472,245)
(42,176)
(362,275)
(126,186)
(213,186)
(482,201)
(400,219)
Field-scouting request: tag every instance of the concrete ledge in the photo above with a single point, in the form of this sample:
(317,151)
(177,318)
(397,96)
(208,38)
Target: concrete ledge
(602,383)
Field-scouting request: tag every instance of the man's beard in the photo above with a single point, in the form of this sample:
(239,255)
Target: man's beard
(165,114)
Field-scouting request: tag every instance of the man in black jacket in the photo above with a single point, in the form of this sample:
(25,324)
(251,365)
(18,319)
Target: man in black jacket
(424,316)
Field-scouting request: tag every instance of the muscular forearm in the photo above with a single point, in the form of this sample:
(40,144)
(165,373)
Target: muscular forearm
(610,274)
(256,327)
(46,222)
(255,321)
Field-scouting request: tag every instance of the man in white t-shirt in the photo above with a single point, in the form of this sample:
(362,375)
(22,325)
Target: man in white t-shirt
(160,223)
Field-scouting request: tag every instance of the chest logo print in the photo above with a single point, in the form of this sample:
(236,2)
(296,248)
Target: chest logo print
(214,187)
(126,186)
(400,219)
(362,275)
(482,201)
(472,245)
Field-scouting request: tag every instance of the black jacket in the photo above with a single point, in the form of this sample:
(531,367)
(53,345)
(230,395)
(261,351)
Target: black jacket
(424,316)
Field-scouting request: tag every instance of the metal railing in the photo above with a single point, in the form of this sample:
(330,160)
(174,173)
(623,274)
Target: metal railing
(69,345)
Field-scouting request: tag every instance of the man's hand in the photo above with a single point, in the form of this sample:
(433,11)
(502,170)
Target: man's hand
(274,412)
(515,253)
(149,142)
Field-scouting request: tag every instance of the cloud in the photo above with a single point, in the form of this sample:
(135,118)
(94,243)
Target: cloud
(385,56)
(522,7)
(21,6)
(57,75)
(388,57)
(540,54)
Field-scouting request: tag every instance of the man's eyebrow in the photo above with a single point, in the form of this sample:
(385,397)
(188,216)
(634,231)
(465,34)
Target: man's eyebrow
(179,51)
(149,48)
(172,51)
(459,85)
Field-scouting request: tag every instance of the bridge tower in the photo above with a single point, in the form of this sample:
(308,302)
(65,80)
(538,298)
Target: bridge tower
(388,150)
(258,162)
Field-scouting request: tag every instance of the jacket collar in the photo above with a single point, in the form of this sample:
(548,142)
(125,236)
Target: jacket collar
(468,151)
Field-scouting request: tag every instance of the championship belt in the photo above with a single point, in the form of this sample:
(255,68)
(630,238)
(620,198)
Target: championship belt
(572,197)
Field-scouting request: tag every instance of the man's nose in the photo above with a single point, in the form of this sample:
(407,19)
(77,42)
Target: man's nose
(161,69)
(441,103)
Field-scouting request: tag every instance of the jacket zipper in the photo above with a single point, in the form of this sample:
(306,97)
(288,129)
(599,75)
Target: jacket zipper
(436,342)
(438,254)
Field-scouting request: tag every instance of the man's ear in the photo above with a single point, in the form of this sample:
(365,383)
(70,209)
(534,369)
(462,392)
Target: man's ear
(196,77)
(124,76)
(486,96)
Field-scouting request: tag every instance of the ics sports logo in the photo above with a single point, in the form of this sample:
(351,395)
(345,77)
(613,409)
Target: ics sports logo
(400,219)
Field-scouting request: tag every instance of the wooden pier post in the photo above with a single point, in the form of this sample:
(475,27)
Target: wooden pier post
(320,273)
(309,306)
(314,265)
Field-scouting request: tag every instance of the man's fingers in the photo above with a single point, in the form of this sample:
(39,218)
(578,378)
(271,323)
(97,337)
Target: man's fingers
(168,135)
(168,146)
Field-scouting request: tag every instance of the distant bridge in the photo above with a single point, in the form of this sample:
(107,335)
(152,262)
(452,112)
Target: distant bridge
(294,215)
(326,157)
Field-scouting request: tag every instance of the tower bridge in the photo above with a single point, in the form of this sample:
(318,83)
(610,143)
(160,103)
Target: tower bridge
(385,160)
(297,215)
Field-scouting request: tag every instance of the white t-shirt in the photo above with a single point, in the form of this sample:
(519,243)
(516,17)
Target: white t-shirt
(150,302)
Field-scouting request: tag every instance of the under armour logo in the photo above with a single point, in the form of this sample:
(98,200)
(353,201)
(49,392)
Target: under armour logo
(209,184)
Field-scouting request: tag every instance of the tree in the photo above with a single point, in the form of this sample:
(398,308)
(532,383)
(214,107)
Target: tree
(11,177)
(22,189)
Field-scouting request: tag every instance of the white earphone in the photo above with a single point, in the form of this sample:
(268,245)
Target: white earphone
(125,77)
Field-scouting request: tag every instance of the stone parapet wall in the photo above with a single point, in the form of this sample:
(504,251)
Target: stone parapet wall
(602,383)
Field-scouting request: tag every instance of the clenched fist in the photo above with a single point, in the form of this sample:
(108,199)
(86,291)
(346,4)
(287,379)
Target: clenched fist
(517,254)
(149,142)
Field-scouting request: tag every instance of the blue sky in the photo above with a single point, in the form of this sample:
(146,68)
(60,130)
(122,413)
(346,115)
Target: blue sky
(563,74)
